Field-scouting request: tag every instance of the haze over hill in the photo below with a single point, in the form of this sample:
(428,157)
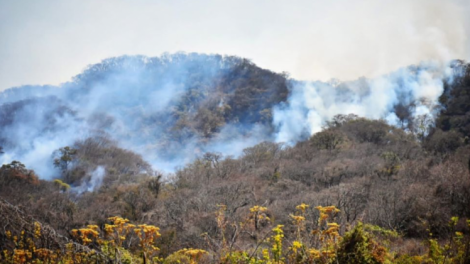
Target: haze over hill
(404,181)
(174,108)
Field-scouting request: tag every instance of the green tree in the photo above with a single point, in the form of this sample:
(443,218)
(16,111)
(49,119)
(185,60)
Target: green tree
(327,139)
(66,156)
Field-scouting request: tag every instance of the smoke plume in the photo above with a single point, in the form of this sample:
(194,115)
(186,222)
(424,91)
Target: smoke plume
(311,104)
(91,183)
(172,109)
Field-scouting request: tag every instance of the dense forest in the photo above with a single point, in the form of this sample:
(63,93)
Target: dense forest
(361,190)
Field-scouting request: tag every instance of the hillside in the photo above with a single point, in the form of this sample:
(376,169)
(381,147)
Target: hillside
(103,137)
(167,108)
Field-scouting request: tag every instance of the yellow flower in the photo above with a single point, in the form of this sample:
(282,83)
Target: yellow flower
(330,209)
(37,230)
(302,207)
(298,219)
(265,254)
(296,245)
(109,228)
(194,254)
(257,208)
(314,253)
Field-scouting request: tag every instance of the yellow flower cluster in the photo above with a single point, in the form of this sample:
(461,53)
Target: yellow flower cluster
(298,219)
(44,253)
(21,255)
(277,244)
(118,220)
(325,212)
(302,207)
(37,230)
(86,235)
(194,254)
(109,228)
(258,209)
(322,245)
(258,216)
(147,235)
(296,245)
(314,253)
(331,233)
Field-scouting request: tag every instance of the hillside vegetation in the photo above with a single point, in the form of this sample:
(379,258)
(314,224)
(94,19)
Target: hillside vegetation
(359,191)
(166,107)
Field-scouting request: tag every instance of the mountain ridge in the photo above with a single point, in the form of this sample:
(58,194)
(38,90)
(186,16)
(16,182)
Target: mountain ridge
(193,103)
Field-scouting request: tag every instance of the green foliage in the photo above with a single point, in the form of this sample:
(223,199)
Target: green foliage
(62,185)
(14,165)
(358,246)
(328,139)
(66,156)
(177,258)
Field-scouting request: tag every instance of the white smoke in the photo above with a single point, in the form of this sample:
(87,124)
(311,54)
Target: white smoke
(311,104)
(133,99)
(93,182)
(37,131)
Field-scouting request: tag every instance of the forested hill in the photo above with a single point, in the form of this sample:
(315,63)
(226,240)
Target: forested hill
(386,160)
(174,108)
(166,107)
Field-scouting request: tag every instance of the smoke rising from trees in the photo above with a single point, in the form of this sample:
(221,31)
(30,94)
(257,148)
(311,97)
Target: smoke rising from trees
(174,108)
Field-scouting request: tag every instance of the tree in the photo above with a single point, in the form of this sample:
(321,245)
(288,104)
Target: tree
(17,171)
(67,155)
(264,151)
(455,102)
(339,120)
(404,112)
(327,139)
(391,166)
(422,126)
(443,142)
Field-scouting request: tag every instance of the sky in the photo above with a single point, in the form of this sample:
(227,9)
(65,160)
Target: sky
(50,41)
